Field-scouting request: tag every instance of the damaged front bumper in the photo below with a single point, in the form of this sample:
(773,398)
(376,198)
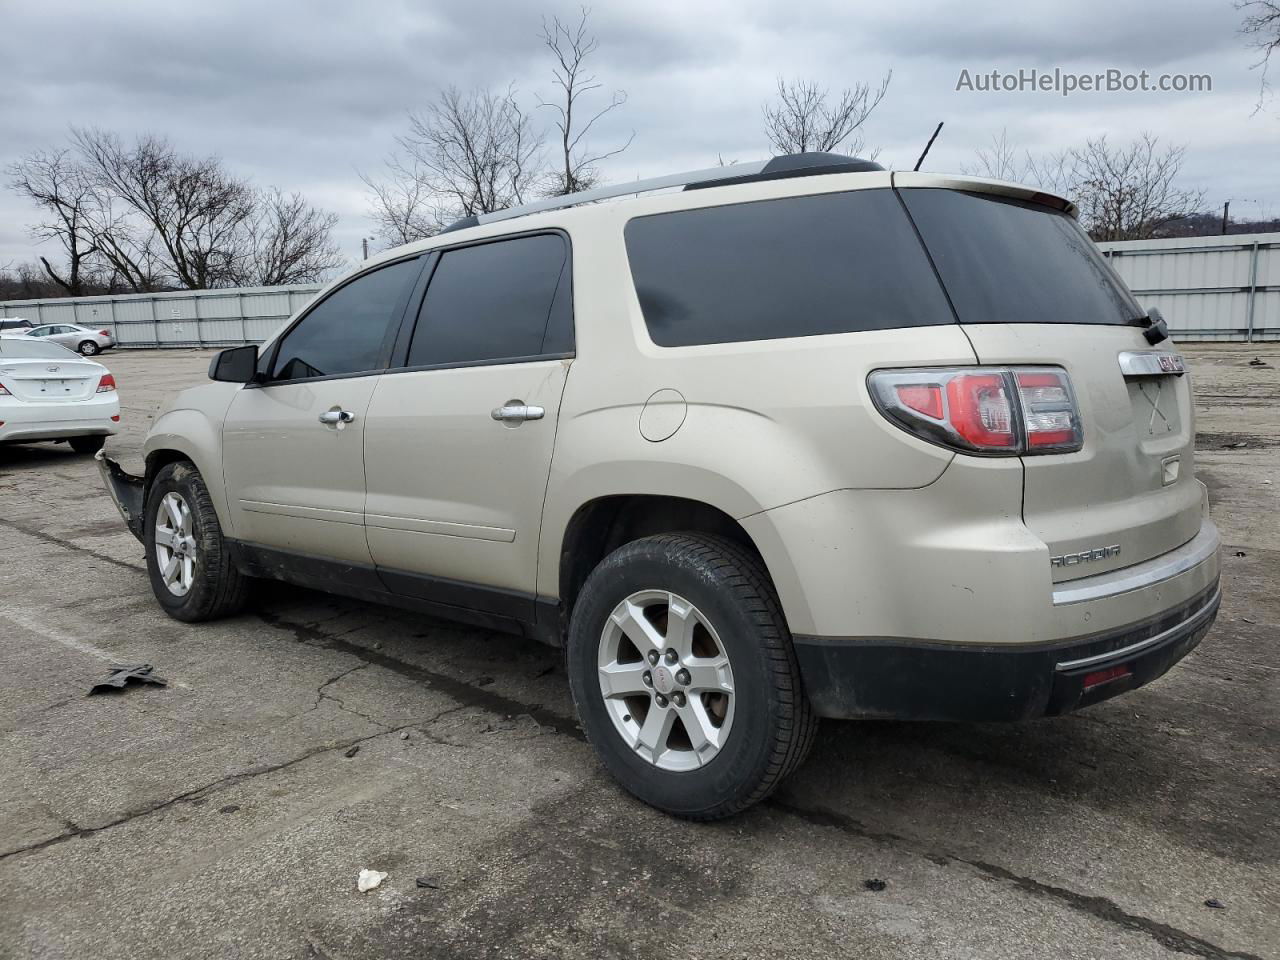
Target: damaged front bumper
(128,491)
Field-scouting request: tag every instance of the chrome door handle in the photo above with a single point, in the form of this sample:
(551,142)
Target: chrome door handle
(337,416)
(515,412)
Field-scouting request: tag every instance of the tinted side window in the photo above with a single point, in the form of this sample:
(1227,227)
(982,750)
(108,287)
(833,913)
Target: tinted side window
(496,301)
(344,333)
(794,267)
(1008,261)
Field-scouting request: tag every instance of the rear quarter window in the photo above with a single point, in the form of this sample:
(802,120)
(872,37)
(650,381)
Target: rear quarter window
(1009,261)
(792,267)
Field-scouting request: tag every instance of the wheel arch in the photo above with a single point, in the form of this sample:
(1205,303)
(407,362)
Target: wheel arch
(186,434)
(601,525)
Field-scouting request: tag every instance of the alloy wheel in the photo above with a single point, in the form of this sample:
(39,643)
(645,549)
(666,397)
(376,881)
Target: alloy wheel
(666,680)
(175,544)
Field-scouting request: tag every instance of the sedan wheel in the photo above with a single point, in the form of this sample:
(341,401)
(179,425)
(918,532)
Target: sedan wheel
(88,348)
(175,544)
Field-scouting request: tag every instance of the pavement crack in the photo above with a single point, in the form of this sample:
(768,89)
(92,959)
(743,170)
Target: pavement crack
(196,793)
(38,534)
(1099,907)
(462,691)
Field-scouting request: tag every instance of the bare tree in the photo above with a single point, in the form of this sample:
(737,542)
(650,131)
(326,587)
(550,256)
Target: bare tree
(190,207)
(801,119)
(998,161)
(1132,192)
(402,205)
(284,241)
(467,154)
(1123,193)
(142,216)
(570,46)
(55,183)
(1262,28)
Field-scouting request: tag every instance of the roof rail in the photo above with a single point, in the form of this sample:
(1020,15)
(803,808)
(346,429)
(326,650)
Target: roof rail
(776,168)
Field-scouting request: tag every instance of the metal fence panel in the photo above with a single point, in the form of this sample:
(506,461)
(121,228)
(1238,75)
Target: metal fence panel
(1208,288)
(181,319)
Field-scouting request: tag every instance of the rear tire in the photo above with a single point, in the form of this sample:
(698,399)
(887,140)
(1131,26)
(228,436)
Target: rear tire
(88,348)
(87,444)
(192,574)
(766,727)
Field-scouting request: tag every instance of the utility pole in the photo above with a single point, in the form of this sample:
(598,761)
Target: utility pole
(1225,207)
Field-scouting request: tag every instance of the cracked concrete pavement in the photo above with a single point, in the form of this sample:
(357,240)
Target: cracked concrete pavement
(228,814)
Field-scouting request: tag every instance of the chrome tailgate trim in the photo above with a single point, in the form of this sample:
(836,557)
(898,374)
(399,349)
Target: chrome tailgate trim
(1186,557)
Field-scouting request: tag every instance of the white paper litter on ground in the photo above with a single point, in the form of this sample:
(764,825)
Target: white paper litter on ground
(369,879)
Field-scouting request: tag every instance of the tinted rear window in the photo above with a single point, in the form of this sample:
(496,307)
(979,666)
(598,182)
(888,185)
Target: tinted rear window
(1007,261)
(794,267)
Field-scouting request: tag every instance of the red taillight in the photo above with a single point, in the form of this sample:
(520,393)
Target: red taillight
(980,410)
(104,333)
(3,391)
(926,399)
(107,384)
(992,411)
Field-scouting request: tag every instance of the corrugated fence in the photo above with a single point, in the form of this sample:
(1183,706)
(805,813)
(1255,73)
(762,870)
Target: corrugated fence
(1208,288)
(187,318)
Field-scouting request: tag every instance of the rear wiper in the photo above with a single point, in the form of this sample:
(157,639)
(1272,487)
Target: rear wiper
(1157,330)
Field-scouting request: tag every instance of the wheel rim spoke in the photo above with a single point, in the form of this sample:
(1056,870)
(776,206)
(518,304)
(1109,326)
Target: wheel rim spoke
(702,733)
(166,537)
(624,680)
(173,507)
(655,732)
(681,619)
(637,627)
(711,675)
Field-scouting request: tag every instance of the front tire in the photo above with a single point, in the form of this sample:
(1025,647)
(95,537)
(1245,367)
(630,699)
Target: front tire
(192,575)
(88,348)
(719,718)
(87,444)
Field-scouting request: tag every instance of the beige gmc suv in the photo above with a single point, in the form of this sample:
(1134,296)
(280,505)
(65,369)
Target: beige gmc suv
(797,439)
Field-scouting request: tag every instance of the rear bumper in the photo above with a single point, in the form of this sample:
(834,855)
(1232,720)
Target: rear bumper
(127,492)
(919,680)
(56,429)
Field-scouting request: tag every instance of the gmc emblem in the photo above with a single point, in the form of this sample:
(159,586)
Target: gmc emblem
(1085,556)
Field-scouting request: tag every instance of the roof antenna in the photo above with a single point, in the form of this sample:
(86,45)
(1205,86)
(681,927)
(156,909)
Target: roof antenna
(936,131)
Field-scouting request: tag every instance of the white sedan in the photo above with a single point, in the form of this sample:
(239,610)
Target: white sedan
(49,393)
(83,340)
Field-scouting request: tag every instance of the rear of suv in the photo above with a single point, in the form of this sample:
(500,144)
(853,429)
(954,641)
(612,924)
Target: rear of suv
(807,438)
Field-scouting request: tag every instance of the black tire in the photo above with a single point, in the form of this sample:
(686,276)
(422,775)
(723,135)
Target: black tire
(218,589)
(87,444)
(88,348)
(774,724)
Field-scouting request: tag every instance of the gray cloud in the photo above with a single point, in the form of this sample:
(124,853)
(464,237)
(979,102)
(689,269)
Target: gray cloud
(305,94)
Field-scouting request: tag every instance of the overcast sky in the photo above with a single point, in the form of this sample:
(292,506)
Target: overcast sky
(305,95)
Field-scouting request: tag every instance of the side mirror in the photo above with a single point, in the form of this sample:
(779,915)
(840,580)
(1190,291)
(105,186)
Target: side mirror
(235,365)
